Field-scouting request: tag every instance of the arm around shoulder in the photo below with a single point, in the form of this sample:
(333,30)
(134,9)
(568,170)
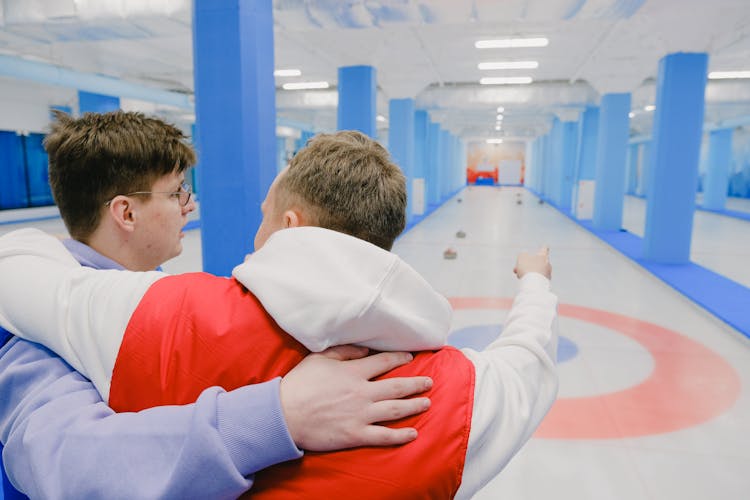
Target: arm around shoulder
(61,440)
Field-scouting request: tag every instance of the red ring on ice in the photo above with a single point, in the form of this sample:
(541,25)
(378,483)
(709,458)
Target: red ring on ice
(690,384)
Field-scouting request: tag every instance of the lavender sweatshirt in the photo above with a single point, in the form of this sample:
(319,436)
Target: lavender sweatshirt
(62,441)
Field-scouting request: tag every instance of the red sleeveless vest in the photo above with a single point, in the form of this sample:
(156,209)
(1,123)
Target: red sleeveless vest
(193,331)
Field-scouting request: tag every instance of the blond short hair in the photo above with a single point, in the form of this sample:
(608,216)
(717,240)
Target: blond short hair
(347,182)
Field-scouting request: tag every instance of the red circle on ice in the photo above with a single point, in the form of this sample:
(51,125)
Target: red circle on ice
(689,385)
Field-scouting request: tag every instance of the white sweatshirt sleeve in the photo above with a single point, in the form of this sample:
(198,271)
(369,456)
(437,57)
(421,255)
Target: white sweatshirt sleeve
(327,288)
(516,384)
(78,312)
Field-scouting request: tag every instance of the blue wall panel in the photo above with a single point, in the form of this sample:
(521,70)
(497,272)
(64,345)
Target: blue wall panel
(97,103)
(40,193)
(717,177)
(13,186)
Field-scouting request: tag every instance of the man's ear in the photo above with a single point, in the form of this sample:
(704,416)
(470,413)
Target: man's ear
(121,211)
(292,218)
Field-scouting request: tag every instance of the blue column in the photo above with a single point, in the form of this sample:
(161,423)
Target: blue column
(236,115)
(644,166)
(401,142)
(419,198)
(569,144)
(357,99)
(632,176)
(194,174)
(460,168)
(300,143)
(614,128)
(554,163)
(587,139)
(433,165)
(88,102)
(717,175)
(539,186)
(585,156)
(673,175)
(562,160)
(544,164)
(445,164)
(530,161)
(280,153)
(456,164)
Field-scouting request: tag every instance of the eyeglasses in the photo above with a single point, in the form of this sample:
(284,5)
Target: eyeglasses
(183,195)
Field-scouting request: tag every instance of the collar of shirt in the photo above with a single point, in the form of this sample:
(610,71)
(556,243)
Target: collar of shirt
(89,257)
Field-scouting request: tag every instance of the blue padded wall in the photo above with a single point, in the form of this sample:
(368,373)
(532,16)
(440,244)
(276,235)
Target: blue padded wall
(40,193)
(14,191)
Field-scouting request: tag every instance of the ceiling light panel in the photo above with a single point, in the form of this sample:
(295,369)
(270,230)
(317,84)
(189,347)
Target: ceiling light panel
(722,75)
(509,65)
(287,72)
(511,43)
(505,80)
(305,85)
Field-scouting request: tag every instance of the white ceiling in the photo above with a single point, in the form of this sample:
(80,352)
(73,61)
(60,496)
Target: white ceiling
(421,48)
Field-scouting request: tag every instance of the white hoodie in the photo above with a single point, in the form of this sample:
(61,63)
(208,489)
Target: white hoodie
(322,287)
(376,300)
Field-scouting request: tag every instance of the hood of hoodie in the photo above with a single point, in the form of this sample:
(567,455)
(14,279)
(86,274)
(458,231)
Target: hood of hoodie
(327,288)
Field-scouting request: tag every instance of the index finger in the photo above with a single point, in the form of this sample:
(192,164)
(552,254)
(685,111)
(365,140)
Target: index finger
(377,364)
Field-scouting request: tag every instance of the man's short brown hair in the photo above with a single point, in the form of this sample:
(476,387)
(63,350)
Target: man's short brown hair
(94,158)
(348,183)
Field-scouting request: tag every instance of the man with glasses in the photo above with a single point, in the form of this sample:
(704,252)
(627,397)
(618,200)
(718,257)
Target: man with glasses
(119,182)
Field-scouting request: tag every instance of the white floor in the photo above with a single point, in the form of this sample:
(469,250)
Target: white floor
(652,401)
(700,461)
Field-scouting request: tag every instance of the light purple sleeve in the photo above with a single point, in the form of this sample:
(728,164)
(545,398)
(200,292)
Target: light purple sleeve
(62,441)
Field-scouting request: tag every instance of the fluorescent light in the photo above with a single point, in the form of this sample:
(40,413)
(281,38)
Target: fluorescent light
(650,107)
(720,75)
(500,109)
(380,118)
(509,65)
(494,141)
(305,85)
(287,72)
(505,80)
(283,131)
(631,114)
(511,43)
